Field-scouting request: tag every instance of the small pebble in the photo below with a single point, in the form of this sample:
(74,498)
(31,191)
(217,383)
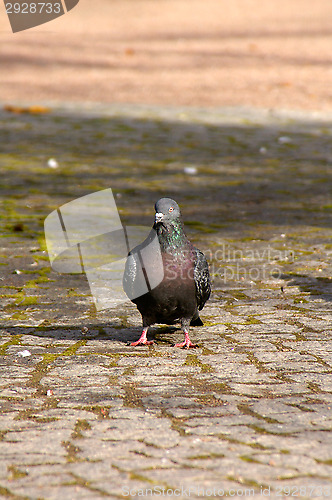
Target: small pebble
(190,170)
(52,163)
(284,139)
(24,353)
(263,150)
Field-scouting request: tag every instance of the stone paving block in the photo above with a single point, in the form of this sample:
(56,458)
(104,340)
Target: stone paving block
(73,492)
(298,463)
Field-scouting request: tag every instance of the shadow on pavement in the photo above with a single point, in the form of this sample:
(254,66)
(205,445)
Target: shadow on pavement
(321,287)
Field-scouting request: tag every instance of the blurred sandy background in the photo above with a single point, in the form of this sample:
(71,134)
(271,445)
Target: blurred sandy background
(261,53)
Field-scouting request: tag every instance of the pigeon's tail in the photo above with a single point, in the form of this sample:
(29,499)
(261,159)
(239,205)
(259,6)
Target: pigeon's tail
(196,322)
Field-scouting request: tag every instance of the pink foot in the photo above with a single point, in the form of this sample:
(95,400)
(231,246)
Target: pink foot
(187,342)
(142,340)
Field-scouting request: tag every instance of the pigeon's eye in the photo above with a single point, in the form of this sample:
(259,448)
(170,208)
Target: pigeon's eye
(171,209)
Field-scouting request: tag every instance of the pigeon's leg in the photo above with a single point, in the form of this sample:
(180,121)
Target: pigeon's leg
(187,342)
(143,340)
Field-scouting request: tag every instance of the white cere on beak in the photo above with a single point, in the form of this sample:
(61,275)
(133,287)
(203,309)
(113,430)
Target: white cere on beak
(159,216)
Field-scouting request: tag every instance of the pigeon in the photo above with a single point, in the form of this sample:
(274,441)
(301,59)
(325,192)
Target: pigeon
(166,276)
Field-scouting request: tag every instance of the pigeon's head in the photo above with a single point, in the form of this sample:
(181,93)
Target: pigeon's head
(167,210)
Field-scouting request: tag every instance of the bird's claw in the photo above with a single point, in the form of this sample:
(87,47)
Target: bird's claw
(141,342)
(186,345)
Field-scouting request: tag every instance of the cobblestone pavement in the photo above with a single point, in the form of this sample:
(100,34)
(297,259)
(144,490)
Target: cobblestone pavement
(247,413)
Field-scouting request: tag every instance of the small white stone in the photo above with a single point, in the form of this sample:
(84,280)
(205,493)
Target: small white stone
(263,150)
(190,170)
(52,163)
(284,139)
(24,354)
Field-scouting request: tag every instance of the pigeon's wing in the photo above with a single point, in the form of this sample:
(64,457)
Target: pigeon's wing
(130,275)
(144,268)
(202,278)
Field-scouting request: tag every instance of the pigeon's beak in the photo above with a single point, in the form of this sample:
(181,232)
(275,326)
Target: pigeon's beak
(159,217)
